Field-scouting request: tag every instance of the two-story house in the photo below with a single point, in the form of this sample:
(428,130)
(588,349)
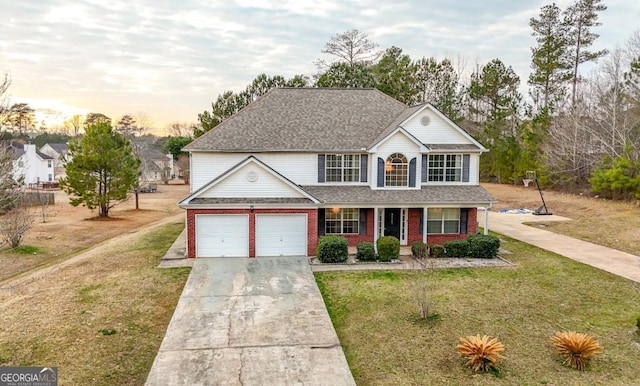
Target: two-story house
(30,166)
(57,151)
(299,163)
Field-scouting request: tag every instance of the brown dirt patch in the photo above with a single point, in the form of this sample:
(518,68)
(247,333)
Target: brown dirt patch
(69,230)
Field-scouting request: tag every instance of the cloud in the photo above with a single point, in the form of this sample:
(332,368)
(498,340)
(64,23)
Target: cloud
(172,58)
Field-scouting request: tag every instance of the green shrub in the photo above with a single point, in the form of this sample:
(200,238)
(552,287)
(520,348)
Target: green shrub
(388,248)
(419,249)
(483,246)
(332,249)
(456,248)
(436,250)
(365,251)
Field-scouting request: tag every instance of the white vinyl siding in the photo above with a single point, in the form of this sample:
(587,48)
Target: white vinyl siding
(437,131)
(301,168)
(251,180)
(398,143)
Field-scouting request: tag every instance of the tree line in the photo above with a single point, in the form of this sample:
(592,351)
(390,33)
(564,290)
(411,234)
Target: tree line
(575,131)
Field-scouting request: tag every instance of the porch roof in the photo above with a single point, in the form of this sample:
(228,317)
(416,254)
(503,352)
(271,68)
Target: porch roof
(428,195)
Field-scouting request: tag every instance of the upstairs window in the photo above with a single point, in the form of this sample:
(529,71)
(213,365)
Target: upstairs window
(342,168)
(445,167)
(49,163)
(396,170)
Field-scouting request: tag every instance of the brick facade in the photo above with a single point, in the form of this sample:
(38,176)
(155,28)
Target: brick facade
(312,226)
(414,228)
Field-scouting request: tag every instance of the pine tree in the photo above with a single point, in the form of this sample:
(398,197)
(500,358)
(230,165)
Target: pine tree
(101,169)
(550,64)
(580,18)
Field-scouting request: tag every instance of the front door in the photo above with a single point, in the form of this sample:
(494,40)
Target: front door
(392,222)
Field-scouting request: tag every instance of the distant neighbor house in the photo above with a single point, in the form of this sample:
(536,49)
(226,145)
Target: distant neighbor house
(56,151)
(155,166)
(300,163)
(32,166)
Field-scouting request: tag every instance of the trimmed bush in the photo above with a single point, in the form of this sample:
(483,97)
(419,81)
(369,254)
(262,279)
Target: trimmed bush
(456,248)
(388,248)
(483,246)
(332,249)
(365,251)
(436,250)
(419,249)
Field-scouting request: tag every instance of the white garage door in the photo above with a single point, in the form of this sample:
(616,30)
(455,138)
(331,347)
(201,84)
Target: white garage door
(222,235)
(281,235)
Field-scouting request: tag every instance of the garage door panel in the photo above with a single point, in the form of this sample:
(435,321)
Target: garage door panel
(281,234)
(222,235)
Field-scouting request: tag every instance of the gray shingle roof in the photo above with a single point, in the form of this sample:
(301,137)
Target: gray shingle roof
(60,148)
(305,119)
(250,200)
(451,146)
(440,194)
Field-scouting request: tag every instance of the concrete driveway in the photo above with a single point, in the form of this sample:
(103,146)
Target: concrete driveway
(250,321)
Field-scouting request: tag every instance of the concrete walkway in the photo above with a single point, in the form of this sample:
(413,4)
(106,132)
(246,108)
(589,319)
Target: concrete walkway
(243,321)
(608,259)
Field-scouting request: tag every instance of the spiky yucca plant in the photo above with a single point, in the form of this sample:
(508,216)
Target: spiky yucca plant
(577,348)
(483,353)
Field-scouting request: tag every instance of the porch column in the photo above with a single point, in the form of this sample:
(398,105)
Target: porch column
(424,225)
(486,220)
(375,228)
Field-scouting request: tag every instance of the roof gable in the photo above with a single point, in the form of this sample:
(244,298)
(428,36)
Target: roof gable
(304,119)
(400,131)
(248,179)
(436,130)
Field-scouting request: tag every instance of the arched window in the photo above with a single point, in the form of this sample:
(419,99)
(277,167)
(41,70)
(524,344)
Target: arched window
(396,170)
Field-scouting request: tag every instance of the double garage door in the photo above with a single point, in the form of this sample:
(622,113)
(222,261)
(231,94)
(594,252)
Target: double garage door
(227,235)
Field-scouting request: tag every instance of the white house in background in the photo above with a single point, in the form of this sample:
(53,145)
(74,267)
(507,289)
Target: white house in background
(300,163)
(56,151)
(32,166)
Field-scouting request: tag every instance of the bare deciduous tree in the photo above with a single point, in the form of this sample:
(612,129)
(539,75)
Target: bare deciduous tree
(352,47)
(14,225)
(421,286)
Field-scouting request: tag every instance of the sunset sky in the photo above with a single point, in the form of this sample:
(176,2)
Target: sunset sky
(170,59)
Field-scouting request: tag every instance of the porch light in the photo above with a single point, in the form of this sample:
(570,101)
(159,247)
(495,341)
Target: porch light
(335,210)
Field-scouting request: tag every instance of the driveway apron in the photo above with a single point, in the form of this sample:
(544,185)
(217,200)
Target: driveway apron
(250,321)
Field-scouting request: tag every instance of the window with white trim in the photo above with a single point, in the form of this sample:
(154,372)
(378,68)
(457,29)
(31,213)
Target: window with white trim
(342,220)
(445,167)
(443,220)
(342,168)
(396,170)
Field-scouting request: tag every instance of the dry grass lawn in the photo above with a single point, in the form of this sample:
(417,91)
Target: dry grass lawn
(100,316)
(386,343)
(610,223)
(69,230)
